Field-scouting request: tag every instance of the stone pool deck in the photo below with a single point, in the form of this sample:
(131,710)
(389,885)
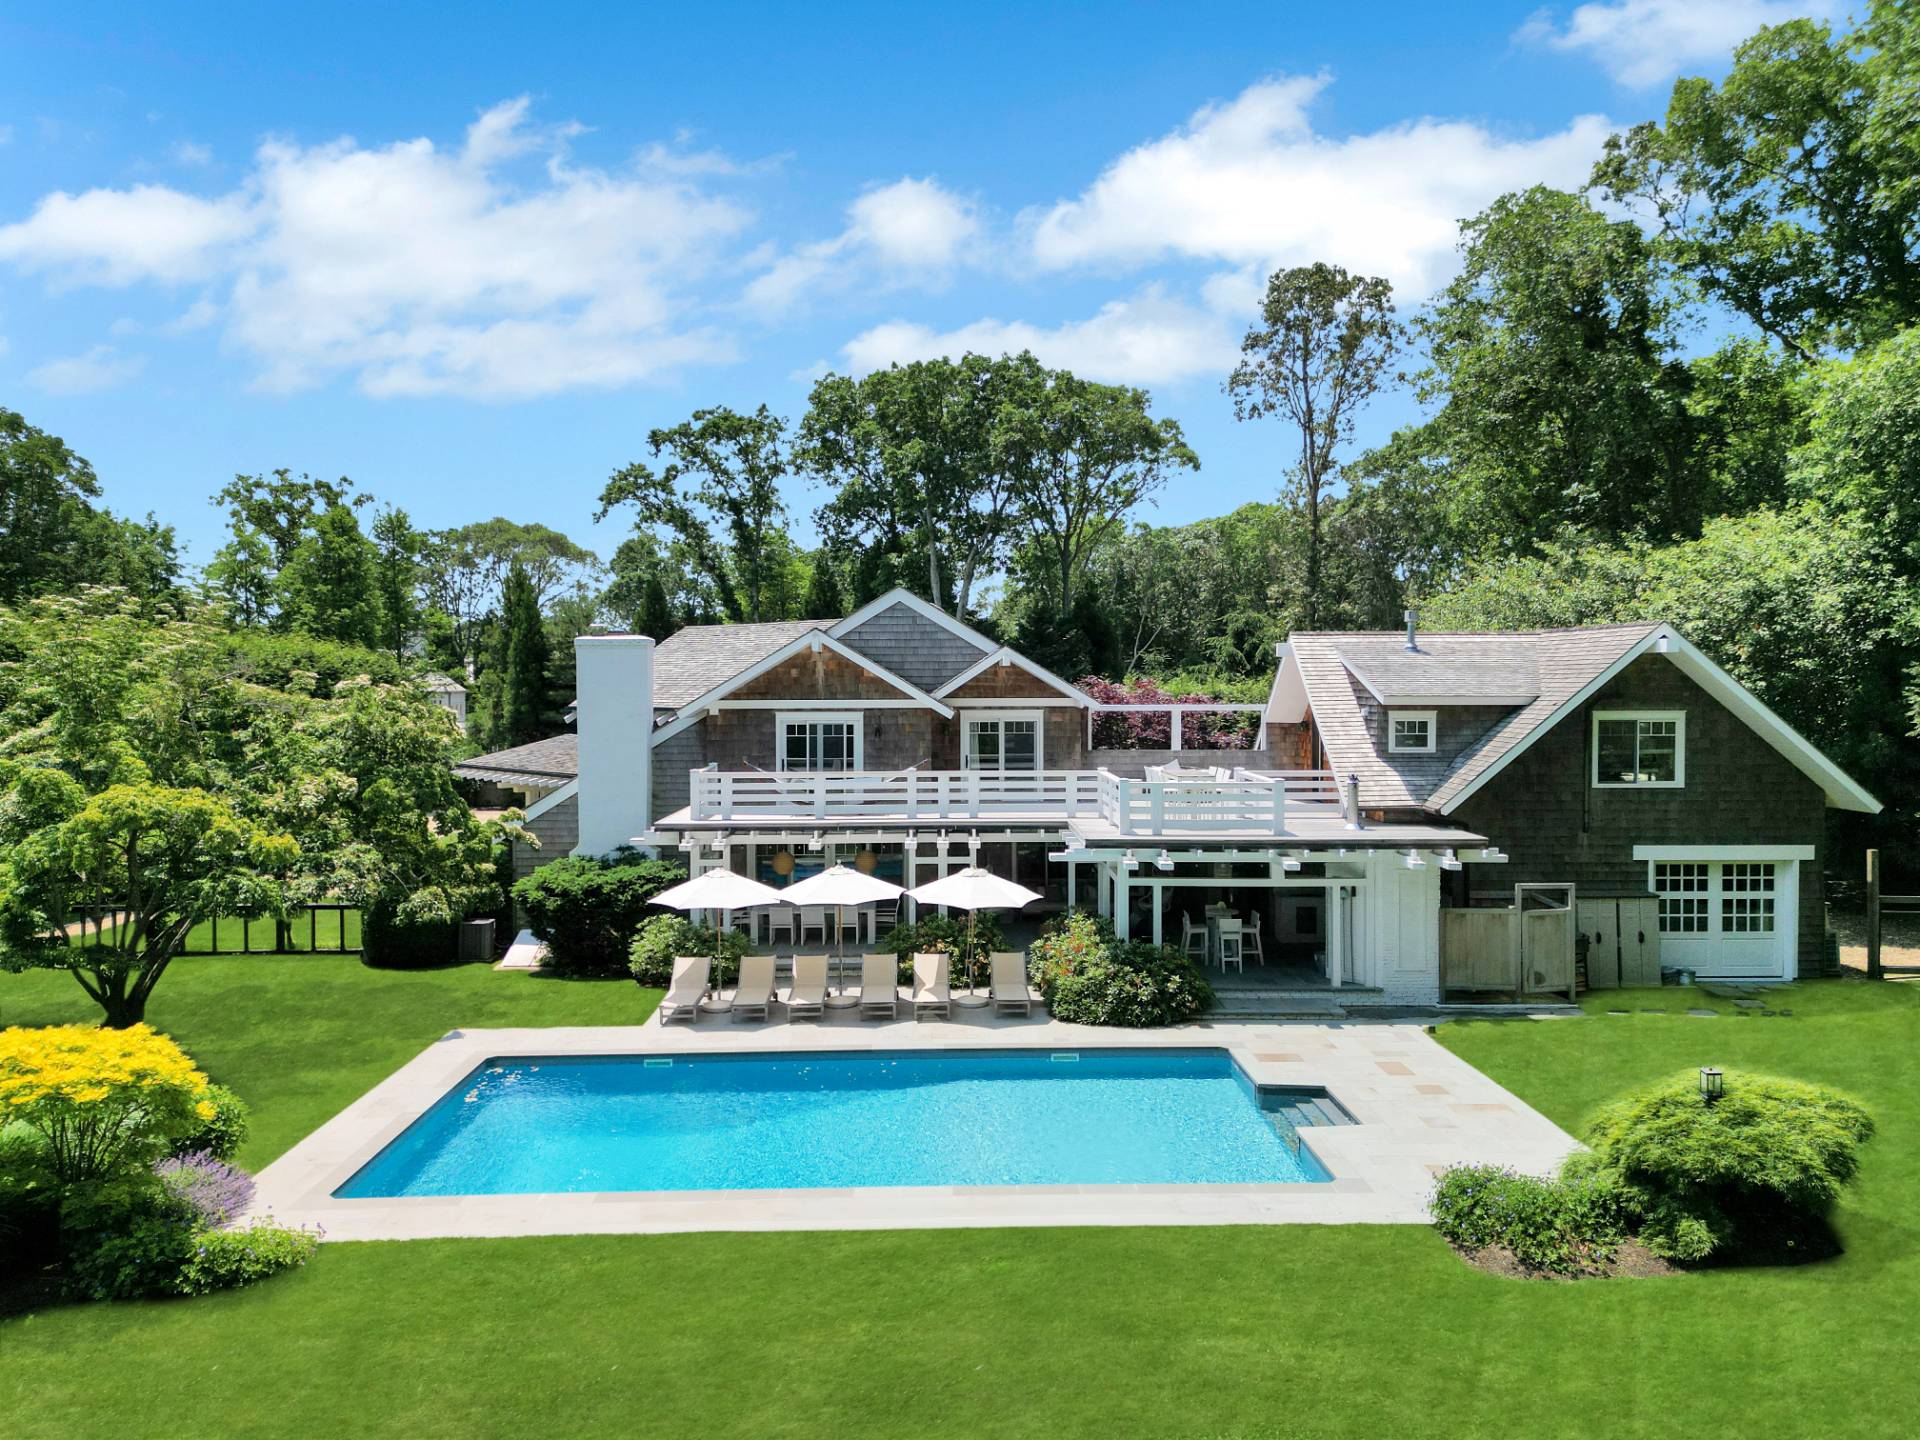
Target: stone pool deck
(1419,1109)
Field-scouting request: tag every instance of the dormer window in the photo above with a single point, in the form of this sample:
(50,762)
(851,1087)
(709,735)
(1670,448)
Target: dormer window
(1410,732)
(1639,749)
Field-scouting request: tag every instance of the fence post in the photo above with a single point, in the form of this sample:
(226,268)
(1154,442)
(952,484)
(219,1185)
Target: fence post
(1875,970)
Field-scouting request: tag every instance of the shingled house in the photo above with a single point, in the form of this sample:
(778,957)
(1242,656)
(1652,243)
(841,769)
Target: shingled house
(1400,776)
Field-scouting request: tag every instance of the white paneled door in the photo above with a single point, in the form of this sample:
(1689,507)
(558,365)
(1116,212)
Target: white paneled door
(1727,917)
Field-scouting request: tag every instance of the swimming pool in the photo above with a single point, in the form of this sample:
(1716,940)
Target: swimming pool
(529,1125)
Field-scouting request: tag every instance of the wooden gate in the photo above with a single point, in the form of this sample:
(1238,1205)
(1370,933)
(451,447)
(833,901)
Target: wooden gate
(1519,950)
(1623,940)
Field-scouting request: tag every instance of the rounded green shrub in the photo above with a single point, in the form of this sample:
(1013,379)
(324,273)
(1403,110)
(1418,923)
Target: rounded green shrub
(1560,1227)
(650,958)
(1749,1174)
(124,1238)
(225,1259)
(588,909)
(392,937)
(1087,976)
(220,1135)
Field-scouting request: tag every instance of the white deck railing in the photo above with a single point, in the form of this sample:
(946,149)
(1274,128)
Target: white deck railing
(1250,800)
(914,794)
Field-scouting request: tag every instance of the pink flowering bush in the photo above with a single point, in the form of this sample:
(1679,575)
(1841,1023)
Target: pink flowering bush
(1153,729)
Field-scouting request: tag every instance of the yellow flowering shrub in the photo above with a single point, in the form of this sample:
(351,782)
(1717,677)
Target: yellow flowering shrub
(103,1100)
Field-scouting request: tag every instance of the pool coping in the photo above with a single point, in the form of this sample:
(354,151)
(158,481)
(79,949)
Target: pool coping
(1417,1107)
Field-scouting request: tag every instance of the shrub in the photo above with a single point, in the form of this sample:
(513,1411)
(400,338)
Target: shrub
(124,1239)
(224,1259)
(1753,1172)
(650,959)
(587,910)
(1560,1226)
(220,1134)
(934,933)
(1085,975)
(392,936)
(29,1204)
(1068,944)
(213,1190)
(104,1101)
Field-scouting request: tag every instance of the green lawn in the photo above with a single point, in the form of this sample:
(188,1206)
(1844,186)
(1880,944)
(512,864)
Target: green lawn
(1295,1331)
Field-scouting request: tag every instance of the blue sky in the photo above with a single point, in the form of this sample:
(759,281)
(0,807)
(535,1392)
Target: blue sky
(470,255)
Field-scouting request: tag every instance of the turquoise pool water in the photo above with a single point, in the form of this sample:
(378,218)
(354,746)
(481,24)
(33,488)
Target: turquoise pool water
(753,1122)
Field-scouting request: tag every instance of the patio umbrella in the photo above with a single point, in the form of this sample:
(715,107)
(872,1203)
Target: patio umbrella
(839,885)
(718,890)
(973,890)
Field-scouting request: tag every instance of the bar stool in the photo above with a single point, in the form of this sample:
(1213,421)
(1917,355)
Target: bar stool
(1230,952)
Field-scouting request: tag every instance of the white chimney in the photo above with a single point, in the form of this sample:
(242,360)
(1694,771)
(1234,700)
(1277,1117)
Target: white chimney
(614,675)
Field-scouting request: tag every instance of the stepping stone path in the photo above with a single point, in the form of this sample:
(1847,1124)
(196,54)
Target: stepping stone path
(1709,1014)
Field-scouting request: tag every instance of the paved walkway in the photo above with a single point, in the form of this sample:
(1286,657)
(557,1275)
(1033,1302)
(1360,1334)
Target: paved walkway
(1419,1109)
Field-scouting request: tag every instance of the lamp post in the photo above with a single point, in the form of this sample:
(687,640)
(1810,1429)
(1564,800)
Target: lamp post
(1712,1083)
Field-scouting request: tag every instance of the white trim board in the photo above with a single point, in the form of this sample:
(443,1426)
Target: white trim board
(1841,790)
(552,798)
(809,640)
(1723,852)
(1007,655)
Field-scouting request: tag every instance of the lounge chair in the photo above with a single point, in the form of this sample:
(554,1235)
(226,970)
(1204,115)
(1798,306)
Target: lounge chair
(807,995)
(879,987)
(930,995)
(686,990)
(754,993)
(1010,990)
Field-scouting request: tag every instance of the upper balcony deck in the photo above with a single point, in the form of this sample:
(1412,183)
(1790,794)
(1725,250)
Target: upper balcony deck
(1164,802)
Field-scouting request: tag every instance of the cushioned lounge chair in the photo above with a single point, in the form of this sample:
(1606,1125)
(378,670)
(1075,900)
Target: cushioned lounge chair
(754,993)
(686,990)
(1011,993)
(807,995)
(930,991)
(879,987)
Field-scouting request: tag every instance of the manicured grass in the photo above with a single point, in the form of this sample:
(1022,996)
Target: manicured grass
(1240,1331)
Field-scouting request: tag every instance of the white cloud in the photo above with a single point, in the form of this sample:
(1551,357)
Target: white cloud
(1643,42)
(120,237)
(909,232)
(191,153)
(99,368)
(1251,183)
(1149,338)
(417,269)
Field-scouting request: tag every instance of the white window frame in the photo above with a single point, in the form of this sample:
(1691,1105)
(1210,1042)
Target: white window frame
(1679,719)
(970,718)
(784,718)
(1432,719)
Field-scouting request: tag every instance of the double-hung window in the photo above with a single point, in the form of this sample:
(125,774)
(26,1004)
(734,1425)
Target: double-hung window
(818,741)
(1002,740)
(1639,748)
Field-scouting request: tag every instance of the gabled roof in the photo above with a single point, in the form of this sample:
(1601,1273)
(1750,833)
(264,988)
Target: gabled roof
(812,636)
(1446,669)
(552,761)
(688,662)
(1007,655)
(1842,791)
(1318,672)
(924,608)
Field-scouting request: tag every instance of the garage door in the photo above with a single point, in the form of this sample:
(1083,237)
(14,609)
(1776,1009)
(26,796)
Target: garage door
(1731,918)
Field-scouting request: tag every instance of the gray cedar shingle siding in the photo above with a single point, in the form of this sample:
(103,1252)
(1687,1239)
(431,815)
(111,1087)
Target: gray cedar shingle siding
(673,758)
(559,832)
(1544,812)
(913,647)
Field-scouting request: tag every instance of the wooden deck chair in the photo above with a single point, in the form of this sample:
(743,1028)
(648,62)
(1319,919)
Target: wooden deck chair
(1010,991)
(807,995)
(686,990)
(754,993)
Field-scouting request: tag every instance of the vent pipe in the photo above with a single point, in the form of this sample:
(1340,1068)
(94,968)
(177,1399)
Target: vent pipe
(1350,801)
(1413,627)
